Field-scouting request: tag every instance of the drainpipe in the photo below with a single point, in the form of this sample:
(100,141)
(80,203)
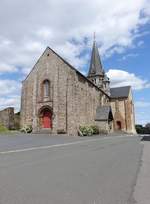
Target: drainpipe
(67,105)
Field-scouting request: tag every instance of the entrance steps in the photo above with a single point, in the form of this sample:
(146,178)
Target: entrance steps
(44,131)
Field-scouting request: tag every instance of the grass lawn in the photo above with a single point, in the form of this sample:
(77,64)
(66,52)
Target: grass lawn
(3,129)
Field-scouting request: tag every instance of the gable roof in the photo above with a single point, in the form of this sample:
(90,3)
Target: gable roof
(104,113)
(79,73)
(120,92)
(95,65)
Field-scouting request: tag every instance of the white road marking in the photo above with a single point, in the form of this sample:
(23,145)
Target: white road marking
(61,145)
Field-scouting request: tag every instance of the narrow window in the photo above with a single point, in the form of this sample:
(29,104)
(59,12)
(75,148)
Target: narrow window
(46,88)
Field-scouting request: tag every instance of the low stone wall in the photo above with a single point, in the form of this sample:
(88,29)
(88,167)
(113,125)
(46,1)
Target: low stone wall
(7,118)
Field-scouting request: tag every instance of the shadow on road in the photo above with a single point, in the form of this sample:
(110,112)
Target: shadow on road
(146,138)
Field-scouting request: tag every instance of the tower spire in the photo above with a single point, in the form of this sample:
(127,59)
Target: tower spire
(95,65)
(96,73)
(94,36)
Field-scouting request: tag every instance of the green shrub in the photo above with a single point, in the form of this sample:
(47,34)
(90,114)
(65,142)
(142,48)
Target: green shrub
(95,129)
(26,129)
(3,128)
(86,130)
(83,130)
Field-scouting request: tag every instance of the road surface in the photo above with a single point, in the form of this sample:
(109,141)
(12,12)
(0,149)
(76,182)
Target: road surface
(63,170)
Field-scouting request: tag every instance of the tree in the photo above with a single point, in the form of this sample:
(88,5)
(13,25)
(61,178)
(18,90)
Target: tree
(143,130)
(147,128)
(147,125)
(139,129)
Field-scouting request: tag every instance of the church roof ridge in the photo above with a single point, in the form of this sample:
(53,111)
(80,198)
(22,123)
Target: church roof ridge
(78,72)
(89,81)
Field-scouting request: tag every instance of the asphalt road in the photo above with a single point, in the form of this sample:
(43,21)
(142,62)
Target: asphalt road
(141,191)
(68,170)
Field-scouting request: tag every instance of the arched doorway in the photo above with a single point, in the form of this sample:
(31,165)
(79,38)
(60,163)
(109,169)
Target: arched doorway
(46,117)
(118,123)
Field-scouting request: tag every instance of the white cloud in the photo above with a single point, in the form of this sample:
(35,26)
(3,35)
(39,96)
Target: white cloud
(7,68)
(13,101)
(45,33)
(131,55)
(71,52)
(147,8)
(27,31)
(9,87)
(123,78)
(10,94)
(142,117)
(142,104)
(142,114)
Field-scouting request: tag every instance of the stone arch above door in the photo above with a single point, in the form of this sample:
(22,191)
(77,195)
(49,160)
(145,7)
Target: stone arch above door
(45,117)
(119,122)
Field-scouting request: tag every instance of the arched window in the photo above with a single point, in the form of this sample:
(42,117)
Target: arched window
(46,88)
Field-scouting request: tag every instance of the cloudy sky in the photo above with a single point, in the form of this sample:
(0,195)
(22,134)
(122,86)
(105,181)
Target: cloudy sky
(122,33)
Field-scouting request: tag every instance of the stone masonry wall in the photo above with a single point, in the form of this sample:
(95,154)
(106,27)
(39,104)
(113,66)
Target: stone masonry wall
(123,111)
(7,118)
(73,100)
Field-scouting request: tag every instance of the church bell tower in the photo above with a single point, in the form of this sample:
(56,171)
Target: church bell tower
(96,73)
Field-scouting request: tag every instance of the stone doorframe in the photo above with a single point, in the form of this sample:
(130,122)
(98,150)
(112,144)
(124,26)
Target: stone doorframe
(40,115)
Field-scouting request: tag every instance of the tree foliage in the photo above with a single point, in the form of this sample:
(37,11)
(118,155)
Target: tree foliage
(143,129)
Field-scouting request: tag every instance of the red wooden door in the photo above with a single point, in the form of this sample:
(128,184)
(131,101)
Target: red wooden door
(47,122)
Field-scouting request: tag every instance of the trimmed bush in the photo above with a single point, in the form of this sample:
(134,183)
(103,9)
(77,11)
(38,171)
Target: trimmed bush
(26,129)
(83,130)
(86,130)
(89,131)
(95,129)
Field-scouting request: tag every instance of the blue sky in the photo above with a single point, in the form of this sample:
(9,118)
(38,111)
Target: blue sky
(136,60)
(122,34)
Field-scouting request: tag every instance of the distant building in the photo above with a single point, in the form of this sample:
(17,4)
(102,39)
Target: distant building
(123,109)
(57,98)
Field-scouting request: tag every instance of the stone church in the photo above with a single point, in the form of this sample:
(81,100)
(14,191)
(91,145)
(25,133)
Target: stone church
(58,99)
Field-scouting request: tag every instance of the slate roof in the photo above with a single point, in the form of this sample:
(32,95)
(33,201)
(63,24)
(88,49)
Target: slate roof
(104,113)
(95,65)
(120,92)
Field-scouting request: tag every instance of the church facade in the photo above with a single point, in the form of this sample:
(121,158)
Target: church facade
(56,98)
